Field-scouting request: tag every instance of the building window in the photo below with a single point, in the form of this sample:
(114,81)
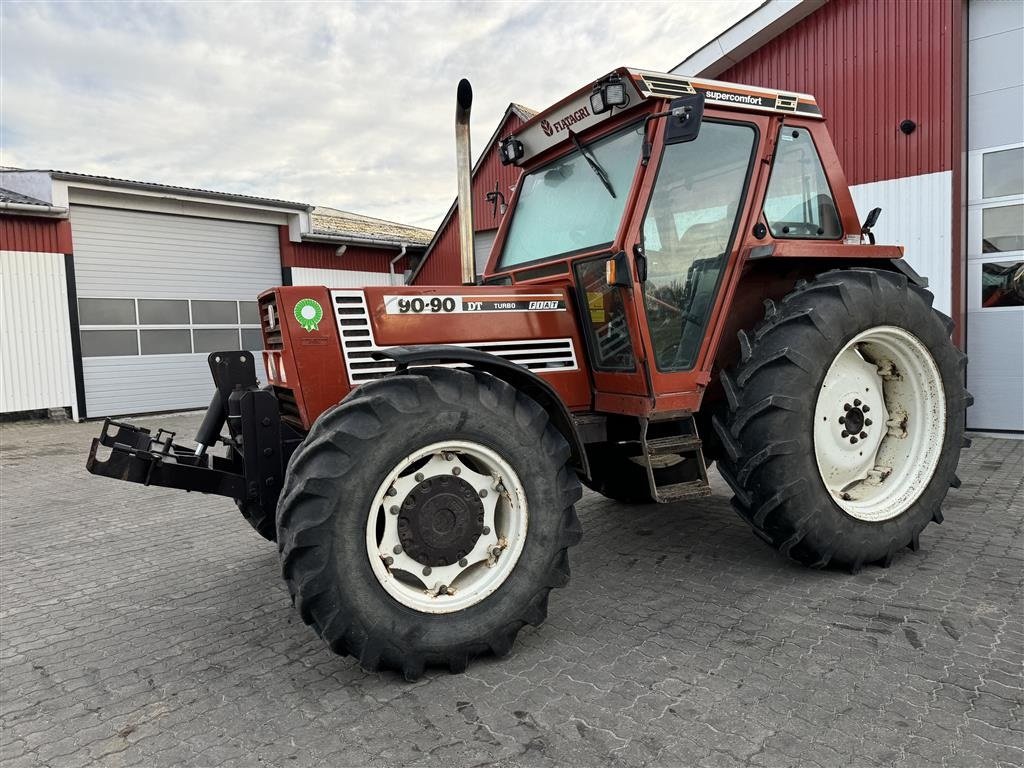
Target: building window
(1002,284)
(799,203)
(109,343)
(1002,173)
(106,311)
(1002,229)
(132,327)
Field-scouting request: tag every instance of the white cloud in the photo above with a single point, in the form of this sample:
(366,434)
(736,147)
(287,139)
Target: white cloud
(349,105)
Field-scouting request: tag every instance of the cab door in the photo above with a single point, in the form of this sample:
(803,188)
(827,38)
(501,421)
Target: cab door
(697,201)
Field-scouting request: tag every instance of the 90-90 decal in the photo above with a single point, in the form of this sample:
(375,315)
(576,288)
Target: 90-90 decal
(441,305)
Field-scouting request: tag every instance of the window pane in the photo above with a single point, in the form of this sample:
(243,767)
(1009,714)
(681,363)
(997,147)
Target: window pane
(1002,284)
(163,312)
(214,312)
(215,340)
(249,312)
(106,311)
(687,231)
(609,335)
(171,342)
(564,207)
(798,203)
(106,343)
(1002,173)
(1002,229)
(252,339)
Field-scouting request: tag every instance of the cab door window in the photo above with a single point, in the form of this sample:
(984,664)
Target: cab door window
(799,203)
(687,234)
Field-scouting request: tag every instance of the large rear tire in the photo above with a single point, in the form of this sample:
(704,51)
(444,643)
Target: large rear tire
(844,419)
(425,520)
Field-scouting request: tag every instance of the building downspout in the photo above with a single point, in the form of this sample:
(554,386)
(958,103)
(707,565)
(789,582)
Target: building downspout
(391,265)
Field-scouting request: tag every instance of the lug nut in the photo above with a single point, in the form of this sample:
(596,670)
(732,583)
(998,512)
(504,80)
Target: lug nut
(867,422)
(856,402)
(392,491)
(389,561)
(483,493)
(426,571)
(842,419)
(486,530)
(456,471)
(866,408)
(844,433)
(419,477)
(846,406)
(853,441)
(863,435)
(463,562)
(398,549)
(393,510)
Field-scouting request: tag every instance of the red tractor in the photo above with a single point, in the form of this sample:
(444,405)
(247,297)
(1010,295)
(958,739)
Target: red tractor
(682,278)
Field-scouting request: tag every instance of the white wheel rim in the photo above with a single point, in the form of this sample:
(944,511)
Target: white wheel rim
(491,558)
(879,423)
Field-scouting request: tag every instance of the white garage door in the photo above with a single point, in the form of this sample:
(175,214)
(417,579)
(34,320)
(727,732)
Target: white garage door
(156,294)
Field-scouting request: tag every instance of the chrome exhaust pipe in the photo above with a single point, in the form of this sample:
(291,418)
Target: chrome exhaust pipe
(463,158)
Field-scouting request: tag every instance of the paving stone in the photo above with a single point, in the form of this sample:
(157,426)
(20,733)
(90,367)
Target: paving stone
(144,626)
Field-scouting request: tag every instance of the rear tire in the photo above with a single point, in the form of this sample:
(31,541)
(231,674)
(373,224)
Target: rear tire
(826,499)
(336,532)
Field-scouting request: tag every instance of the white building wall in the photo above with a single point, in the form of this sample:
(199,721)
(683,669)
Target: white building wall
(36,364)
(342,278)
(917,213)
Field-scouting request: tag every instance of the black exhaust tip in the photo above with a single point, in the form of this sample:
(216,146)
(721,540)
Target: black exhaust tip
(464,97)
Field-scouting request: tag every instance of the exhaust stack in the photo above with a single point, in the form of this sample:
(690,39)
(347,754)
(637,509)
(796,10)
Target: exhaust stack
(463,158)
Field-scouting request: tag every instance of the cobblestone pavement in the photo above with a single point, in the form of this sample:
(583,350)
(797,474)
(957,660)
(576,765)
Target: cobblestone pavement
(143,626)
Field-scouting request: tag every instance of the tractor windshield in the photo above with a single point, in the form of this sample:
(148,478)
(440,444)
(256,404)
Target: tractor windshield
(566,207)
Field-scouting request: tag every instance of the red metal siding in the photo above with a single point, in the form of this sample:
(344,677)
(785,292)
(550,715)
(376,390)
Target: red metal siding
(324,256)
(442,261)
(25,233)
(872,64)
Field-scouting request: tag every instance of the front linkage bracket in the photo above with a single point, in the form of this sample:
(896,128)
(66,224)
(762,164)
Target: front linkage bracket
(259,444)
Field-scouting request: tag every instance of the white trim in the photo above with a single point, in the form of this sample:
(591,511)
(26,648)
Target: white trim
(763,24)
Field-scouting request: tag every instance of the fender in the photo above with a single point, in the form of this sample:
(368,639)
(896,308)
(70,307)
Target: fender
(523,379)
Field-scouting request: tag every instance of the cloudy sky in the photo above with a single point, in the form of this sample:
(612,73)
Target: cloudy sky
(342,104)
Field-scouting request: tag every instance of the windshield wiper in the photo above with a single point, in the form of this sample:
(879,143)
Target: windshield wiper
(592,161)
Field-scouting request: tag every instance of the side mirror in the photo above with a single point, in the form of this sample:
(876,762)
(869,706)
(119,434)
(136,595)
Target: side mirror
(616,271)
(685,118)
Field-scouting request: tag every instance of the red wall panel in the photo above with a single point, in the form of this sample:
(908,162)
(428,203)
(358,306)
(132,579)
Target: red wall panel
(324,256)
(872,64)
(442,262)
(25,233)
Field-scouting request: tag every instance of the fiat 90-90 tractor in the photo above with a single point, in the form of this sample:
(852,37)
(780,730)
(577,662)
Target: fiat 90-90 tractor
(681,278)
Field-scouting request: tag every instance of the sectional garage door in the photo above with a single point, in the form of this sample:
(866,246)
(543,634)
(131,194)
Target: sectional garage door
(156,294)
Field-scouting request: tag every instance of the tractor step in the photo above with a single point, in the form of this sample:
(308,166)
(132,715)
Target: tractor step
(674,438)
(675,444)
(694,489)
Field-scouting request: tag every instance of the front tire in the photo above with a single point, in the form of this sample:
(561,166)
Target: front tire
(844,419)
(424,521)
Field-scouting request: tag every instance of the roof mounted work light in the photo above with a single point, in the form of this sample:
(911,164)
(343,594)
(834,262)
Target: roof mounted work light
(608,94)
(511,150)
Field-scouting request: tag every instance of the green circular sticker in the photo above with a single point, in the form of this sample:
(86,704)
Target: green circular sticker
(309,312)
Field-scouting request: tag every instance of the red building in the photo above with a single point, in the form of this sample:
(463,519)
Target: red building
(925,104)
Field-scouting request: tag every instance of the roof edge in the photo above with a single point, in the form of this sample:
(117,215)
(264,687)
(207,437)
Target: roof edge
(760,26)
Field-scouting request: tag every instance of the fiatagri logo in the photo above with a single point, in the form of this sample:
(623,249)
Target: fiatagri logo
(550,129)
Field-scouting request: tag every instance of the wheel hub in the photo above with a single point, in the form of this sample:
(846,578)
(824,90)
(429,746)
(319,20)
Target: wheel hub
(879,423)
(440,520)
